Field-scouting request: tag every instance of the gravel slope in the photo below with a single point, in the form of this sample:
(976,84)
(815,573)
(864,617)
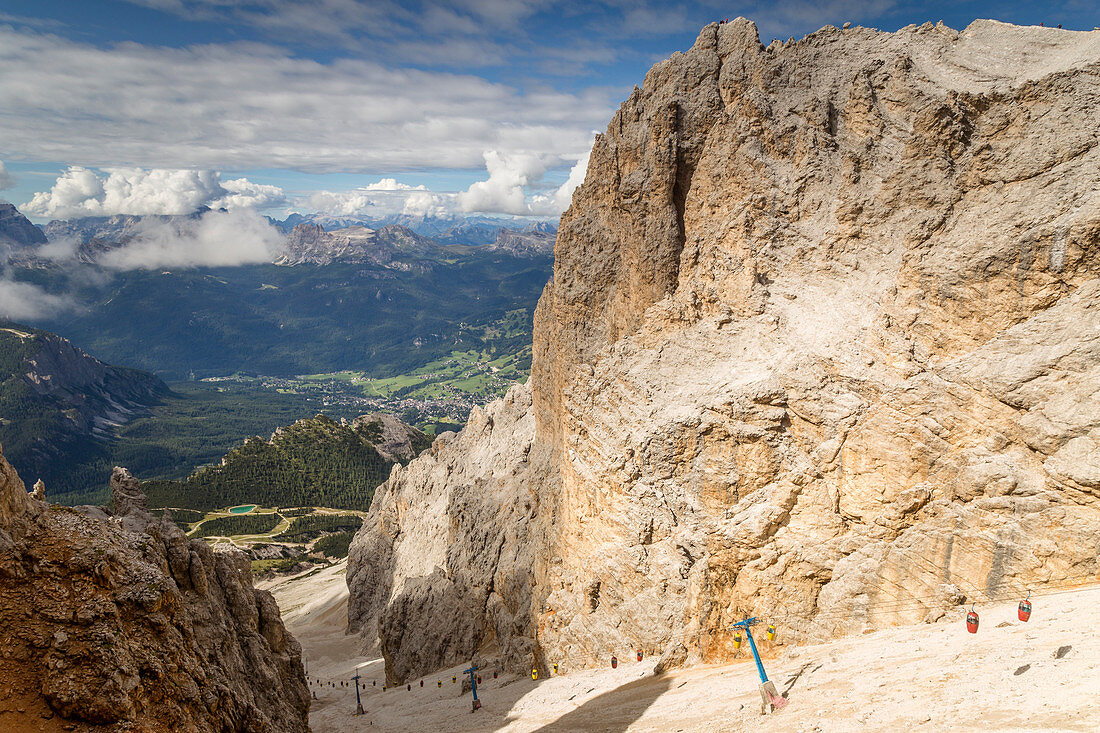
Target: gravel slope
(933,677)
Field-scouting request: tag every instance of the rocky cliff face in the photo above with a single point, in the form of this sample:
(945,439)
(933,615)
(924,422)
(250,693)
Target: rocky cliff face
(443,569)
(16,231)
(393,439)
(822,344)
(116,621)
(534,243)
(389,246)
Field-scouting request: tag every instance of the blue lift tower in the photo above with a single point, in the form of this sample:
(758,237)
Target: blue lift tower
(472,671)
(770,697)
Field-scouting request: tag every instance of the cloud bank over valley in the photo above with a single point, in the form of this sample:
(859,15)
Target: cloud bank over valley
(23,301)
(213,239)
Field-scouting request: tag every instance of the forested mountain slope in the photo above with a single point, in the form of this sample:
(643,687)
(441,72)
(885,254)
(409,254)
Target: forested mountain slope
(60,407)
(314,462)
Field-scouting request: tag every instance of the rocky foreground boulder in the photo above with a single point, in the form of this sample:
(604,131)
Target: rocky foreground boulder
(822,345)
(113,620)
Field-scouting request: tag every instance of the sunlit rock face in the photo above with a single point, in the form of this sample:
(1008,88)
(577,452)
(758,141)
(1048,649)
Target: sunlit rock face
(114,620)
(822,344)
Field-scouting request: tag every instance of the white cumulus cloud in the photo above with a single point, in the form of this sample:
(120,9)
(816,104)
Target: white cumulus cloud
(242,193)
(503,192)
(391,184)
(422,203)
(386,196)
(213,239)
(341,203)
(81,191)
(559,201)
(6,180)
(506,191)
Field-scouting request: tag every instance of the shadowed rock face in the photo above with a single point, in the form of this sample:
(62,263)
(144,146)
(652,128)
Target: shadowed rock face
(119,622)
(16,231)
(126,494)
(62,403)
(822,344)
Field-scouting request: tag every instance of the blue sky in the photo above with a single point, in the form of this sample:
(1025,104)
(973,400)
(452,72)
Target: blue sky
(354,106)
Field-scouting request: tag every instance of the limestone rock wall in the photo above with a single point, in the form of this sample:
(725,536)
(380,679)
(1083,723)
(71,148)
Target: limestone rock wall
(822,344)
(447,566)
(119,622)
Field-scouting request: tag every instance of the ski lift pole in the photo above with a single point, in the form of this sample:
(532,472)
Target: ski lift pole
(755,653)
(358,704)
(770,696)
(472,671)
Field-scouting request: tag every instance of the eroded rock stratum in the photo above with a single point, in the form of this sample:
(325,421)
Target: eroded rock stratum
(113,620)
(822,344)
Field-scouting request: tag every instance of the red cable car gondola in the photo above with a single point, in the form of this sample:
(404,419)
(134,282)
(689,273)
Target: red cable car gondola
(972,621)
(1024,611)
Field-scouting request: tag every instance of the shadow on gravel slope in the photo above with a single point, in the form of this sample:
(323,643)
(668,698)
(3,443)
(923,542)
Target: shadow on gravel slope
(612,711)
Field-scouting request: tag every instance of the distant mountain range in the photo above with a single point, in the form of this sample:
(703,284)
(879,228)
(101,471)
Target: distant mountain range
(311,238)
(397,246)
(445,230)
(376,297)
(118,228)
(472,230)
(16,229)
(16,232)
